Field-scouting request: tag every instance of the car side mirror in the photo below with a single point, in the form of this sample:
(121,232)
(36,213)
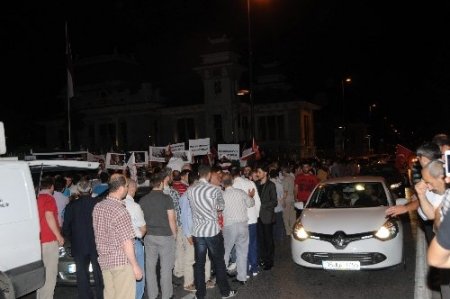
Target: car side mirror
(401,201)
(299,205)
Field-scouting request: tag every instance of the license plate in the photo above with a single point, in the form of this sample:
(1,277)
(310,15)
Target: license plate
(341,265)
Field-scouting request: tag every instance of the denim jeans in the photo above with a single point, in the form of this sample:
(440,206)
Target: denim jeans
(139,251)
(214,246)
(252,259)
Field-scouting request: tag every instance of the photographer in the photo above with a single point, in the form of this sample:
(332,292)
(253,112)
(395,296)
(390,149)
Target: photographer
(424,201)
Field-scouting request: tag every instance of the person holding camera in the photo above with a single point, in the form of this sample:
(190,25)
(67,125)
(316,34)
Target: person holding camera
(424,201)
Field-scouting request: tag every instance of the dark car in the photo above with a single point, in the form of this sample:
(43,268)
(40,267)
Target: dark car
(396,180)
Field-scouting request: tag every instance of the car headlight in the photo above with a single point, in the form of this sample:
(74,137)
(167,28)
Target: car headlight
(62,252)
(387,231)
(395,186)
(300,233)
(71,268)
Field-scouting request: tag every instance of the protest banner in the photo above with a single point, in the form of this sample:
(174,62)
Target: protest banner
(199,147)
(229,151)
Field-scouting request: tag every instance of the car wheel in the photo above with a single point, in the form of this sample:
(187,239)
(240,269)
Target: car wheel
(6,291)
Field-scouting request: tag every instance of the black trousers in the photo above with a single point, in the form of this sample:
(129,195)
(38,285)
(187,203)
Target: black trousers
(266,244)
(83,277)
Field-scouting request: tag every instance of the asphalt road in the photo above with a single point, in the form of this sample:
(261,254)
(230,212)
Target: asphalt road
(288,280)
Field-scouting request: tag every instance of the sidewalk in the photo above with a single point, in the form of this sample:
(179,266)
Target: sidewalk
(422,291)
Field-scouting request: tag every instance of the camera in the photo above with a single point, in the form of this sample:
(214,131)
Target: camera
(446,162)
(416,172)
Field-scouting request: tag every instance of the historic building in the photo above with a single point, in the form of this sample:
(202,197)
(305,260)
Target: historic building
(115,109)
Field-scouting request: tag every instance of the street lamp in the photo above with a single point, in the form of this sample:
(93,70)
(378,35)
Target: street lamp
(344,81)
(250,70)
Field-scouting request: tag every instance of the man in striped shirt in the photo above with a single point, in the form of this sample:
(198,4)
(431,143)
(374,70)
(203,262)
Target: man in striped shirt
(205,200)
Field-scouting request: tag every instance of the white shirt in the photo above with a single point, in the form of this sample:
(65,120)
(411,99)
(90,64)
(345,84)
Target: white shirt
(137,215)
(435,200)
(245,185)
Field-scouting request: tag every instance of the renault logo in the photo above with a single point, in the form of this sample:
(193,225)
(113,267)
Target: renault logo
(339,240)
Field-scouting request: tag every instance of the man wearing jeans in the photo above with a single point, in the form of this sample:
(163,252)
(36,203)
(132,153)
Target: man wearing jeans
(253,213)
(205,200)
(138,221)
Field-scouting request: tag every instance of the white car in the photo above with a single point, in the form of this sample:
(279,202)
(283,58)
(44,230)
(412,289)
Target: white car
(343,226)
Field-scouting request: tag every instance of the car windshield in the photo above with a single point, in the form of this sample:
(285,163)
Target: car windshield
(348,195)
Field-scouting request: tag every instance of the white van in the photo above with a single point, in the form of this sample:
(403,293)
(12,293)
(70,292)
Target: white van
(21,267)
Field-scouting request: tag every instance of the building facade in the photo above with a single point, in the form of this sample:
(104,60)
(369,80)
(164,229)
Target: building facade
(129,114)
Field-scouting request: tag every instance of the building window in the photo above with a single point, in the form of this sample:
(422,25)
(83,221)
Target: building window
(271,127)
(107,135)
(218,127)
(186,129)
(217,87)
(306,128)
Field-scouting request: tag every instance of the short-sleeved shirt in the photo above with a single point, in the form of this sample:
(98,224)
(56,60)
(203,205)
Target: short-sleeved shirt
(155,206)
(137,216)
(112,227)
(306,183)
(46,203)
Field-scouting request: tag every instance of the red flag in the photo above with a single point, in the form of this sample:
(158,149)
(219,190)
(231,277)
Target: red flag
(255,149)
(402,157)
(70,93)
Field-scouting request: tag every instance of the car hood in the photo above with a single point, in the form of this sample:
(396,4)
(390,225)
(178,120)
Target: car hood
(350,220)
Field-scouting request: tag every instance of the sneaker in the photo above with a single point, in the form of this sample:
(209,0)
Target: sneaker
(231,294)
(255,273)
(210,284)
(231,267)
(190,288)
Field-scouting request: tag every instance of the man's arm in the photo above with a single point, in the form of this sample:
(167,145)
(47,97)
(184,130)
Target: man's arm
(295,191)
(172,222)
(143,230)
(51,221)
(128,248)
(402,209)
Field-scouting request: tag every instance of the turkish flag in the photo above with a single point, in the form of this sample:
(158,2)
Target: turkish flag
(402,157)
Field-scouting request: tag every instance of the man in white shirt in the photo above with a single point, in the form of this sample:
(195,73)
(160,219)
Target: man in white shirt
(235,229)
(253,214)
(140,228)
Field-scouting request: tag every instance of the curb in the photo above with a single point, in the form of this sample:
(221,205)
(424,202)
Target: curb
(421,290)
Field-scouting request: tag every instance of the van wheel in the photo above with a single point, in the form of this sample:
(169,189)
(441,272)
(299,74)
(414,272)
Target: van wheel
(6,289)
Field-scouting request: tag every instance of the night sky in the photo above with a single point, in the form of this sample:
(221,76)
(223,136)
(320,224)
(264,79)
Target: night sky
(397,54)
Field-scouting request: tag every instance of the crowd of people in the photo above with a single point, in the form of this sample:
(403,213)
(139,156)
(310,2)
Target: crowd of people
(199,223)
(202,223)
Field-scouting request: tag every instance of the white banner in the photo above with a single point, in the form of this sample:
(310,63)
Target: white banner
(229,151)
(158,153)
(115,161)
(199,147)
(177,147)
(140,157)
(185,156)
